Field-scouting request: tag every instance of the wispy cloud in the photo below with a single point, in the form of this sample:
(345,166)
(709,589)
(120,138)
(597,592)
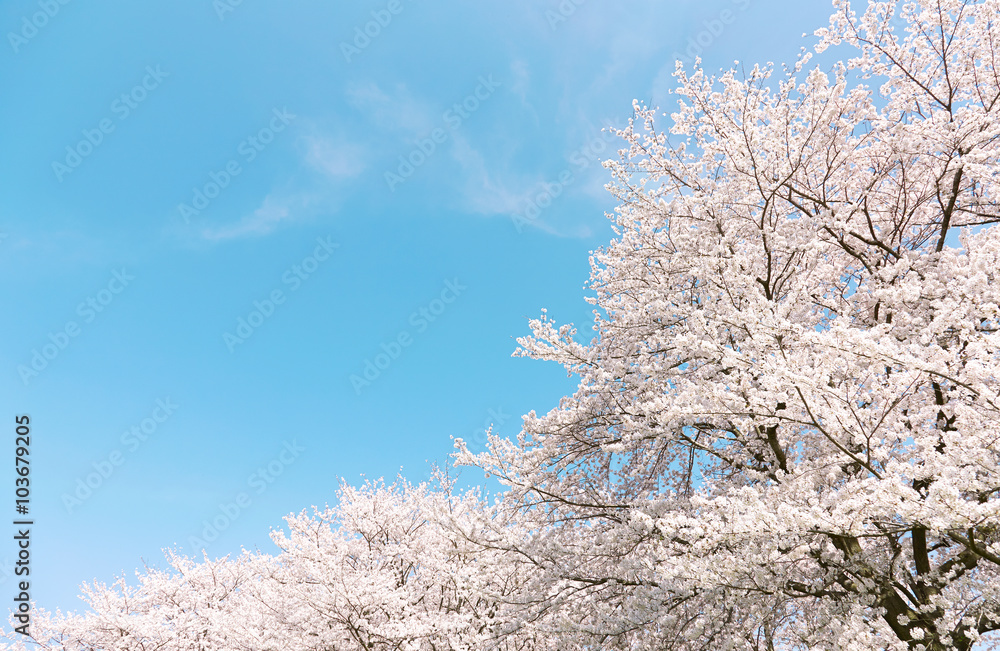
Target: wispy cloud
(486,193)
(262,221)
(520,73)
(395,110)
(482,192)
(336,160)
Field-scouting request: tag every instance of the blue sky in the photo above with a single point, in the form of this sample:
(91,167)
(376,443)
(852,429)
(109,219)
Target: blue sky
(359,200)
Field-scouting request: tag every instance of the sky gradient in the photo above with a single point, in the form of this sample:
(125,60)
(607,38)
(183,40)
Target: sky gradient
(250,249)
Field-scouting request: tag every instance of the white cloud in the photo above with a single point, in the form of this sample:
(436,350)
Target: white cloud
(521,85)
(337,161)
(484,193)
(334,159)
(264,220)
(395,111)
(481,192)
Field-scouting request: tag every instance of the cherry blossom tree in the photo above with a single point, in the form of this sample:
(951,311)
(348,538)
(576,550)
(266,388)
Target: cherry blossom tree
(786,430)
(379,570)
